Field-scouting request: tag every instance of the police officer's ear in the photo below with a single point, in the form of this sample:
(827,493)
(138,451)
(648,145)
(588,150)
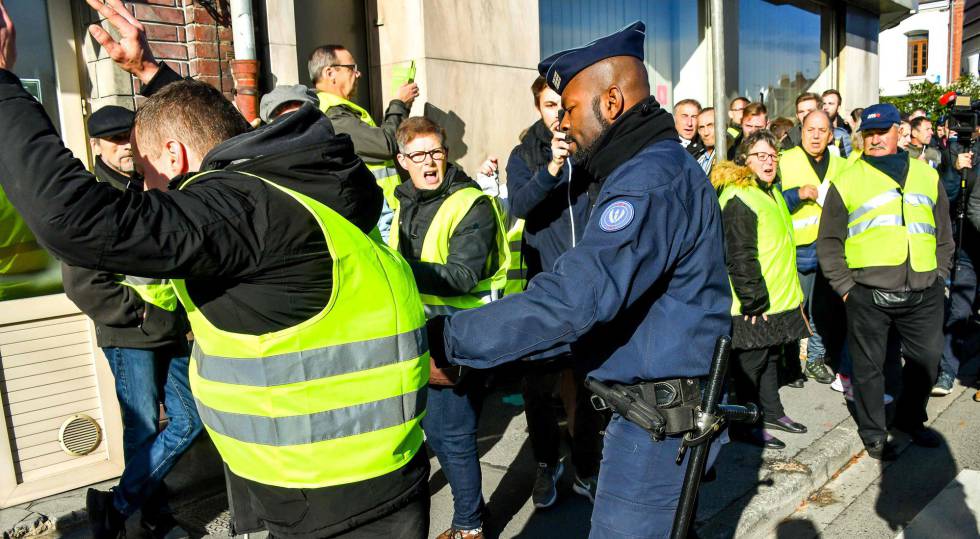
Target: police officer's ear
(612,103)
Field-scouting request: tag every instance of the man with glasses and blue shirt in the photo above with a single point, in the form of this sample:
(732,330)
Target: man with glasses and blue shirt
(335,75)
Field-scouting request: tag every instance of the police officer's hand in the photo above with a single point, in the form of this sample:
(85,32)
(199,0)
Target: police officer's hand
(963,160)
(559,152)
(754,318)
(132,52)
(808,192)
(8,40)
(408,92)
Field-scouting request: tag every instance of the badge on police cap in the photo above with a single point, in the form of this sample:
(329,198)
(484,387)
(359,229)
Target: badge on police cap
(616,216)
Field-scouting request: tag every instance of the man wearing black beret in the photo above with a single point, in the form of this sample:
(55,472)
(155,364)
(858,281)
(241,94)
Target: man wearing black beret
(108,131)
(642,296)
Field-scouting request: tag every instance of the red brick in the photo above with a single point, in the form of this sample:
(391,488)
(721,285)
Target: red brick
(169,51)
(181,34)
(205,67)
(200,32)
(201,16)
(159,14)
(201,49)
(161,32)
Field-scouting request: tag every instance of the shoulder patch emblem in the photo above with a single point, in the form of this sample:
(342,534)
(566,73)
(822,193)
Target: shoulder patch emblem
(616,216)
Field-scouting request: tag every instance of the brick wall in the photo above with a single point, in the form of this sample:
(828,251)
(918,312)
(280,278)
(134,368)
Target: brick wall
(956,39)
(181,33)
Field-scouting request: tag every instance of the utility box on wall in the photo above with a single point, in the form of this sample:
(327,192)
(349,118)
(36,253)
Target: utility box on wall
(60,428)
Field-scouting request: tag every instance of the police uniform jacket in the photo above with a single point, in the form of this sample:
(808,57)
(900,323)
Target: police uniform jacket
(645,291)
(254,260)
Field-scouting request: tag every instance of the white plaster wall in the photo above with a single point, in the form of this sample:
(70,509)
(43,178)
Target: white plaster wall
(932,17)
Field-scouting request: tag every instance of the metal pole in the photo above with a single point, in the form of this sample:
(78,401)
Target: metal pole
(718,69)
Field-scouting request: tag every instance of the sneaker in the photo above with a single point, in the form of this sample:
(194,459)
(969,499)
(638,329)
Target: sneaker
(818,371)
(944,385)
(841,383)
(453,533)
(586,487)
(103,518)
(158,527)
(883,450)
(546,484)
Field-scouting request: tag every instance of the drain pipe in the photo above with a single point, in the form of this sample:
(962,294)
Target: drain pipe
(718,69)
(245,66)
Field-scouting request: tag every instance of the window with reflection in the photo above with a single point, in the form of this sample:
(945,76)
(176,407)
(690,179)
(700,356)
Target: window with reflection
(779,51)
(672,33)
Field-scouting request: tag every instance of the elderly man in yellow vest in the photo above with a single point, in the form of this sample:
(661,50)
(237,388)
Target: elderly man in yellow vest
(335,75)
(806,170)
(885,244)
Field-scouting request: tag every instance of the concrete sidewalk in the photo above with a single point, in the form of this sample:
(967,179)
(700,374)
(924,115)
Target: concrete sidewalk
(754,491)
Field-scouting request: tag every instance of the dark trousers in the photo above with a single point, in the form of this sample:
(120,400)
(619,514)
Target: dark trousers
(756,374)
(409,522)
(919,326)
(450,425)
(959,309)
(542,422)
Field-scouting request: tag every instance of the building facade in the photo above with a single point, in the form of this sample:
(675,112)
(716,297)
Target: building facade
(918,49)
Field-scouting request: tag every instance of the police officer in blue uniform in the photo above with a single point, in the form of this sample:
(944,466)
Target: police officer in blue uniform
(645,292)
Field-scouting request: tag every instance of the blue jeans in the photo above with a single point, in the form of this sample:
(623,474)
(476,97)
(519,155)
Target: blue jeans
(143,379)
(450,424)
(959,308)
(814,345)
(639,483)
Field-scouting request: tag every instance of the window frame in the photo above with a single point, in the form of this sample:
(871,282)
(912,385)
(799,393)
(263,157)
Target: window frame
(917,56)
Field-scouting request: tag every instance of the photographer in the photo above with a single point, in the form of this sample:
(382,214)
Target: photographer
(963,291)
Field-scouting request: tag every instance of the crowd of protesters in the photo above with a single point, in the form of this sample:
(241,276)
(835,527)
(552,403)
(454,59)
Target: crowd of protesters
(839,239)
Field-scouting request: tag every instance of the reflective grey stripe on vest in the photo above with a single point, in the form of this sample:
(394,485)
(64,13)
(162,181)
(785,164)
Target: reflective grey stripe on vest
(383,172)
(318,427)
(312,364)
(921,228)
(803,223)
(142,281)
(919,200)
(881,220)
(874,203)
(432,311)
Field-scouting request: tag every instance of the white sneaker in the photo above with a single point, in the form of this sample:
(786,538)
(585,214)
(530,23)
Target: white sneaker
(841,383)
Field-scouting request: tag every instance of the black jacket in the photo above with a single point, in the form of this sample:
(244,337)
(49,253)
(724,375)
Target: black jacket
(471,247)
(122,319)
(254,259)
(550,206)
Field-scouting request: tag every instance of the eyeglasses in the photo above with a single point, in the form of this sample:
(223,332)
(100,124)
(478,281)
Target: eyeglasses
(419,157)
(352,67)
(763,156)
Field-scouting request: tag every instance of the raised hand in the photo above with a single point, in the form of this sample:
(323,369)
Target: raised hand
(8,40)
(132,52)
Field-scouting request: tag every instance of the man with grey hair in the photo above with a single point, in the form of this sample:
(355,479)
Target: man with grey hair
(335,74)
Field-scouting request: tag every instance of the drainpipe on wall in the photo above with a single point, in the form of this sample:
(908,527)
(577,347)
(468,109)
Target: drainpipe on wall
(245,67)
(718,69)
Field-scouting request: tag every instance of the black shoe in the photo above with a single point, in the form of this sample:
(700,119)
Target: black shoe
(758,437)
(881,450)
(818,371)
(922,435)
(159,526)
(796,384)
(785,424)
(103,518)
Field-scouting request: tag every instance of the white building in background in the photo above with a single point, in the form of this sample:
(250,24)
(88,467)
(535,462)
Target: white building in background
(916,49)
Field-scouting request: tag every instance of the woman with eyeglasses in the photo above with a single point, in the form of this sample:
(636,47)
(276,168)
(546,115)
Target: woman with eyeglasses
(766,293)
(453,236)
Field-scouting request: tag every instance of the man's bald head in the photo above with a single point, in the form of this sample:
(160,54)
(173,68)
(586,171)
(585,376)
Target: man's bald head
(598,96)
(816,133)
(816,117)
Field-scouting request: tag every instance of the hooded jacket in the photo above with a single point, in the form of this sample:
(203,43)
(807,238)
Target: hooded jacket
(254,260)
(741,226)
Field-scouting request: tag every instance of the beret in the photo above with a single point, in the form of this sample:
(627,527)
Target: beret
(880,116)
(110,120)
(560,68)
(281,95)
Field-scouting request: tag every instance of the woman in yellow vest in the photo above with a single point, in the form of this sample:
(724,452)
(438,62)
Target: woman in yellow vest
(766,293)
(453,236)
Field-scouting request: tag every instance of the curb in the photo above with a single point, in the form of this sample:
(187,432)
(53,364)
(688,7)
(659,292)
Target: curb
(781,491)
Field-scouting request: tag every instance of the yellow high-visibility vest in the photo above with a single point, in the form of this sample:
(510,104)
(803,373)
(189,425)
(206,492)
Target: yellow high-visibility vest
(435,249)
(794,172)
(886,224)
(385,172)
(333,400)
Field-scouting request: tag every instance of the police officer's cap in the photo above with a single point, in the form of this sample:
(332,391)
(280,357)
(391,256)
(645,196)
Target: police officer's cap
(110,121)
(559,69)
(880,116)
